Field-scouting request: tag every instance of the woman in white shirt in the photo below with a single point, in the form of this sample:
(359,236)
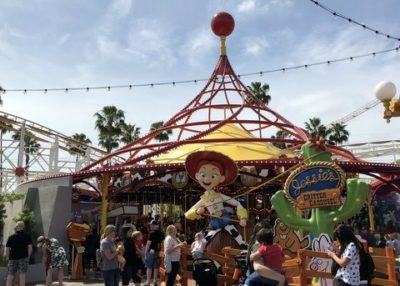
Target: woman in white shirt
(172,251)
(348,258)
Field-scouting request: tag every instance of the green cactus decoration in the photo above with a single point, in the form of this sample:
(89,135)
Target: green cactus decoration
(322,220)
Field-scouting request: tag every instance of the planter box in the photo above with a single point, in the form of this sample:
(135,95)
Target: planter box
(35,274)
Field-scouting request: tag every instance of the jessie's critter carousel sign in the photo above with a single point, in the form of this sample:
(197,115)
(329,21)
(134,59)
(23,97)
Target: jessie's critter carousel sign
(315,185)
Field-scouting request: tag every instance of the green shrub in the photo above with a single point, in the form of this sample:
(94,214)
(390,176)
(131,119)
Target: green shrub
(3,261)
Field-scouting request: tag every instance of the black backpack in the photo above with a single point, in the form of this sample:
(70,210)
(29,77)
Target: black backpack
(367,265)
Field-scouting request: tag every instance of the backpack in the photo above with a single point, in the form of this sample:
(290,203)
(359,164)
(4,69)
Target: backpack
(99,258)
(367,265)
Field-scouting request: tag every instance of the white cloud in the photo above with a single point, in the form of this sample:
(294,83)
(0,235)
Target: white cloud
(199,45)
(151,42)
(262,7)
(121,8)
(247,6)
(255,46)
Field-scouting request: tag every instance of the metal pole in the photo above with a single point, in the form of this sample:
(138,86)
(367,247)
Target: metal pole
(104,202)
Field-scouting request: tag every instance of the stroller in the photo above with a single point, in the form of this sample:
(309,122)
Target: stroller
(204,272)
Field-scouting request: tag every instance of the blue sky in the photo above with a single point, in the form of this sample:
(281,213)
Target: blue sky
(64,43)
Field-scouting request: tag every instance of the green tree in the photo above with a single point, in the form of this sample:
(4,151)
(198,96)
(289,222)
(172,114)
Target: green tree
(78,149)
(1,91)
(316,128)
(129,133)
(162,136)
(260,91)
(109,123)
(338,134)
(281,134)
(31,146)
(4,198)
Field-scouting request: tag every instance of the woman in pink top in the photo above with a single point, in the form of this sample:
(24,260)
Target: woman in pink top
(172,251)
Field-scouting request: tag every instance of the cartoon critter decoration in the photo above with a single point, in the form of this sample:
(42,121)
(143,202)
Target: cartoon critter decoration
(289,239)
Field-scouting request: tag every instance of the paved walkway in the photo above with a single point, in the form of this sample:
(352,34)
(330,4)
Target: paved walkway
(97,282)
(79,283)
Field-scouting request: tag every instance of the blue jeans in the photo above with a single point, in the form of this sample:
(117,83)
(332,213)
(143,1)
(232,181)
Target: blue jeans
(111,277)
(197,255)
(217,223)
(256,279)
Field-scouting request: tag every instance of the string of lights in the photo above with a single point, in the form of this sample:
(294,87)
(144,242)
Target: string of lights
(337,14)
(194,81)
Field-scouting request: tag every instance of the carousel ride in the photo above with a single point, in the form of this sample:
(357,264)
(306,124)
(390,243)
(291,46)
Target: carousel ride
(225,117)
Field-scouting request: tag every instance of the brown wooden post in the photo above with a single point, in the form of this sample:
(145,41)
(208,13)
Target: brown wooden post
(77,269)
(227,275)
(302,261)
(184,266)
(389,252)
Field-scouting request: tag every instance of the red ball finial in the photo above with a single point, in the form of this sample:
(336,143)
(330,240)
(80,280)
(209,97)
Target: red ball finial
(222,24)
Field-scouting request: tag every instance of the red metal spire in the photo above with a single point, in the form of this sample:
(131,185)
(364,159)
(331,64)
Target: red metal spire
(223,100)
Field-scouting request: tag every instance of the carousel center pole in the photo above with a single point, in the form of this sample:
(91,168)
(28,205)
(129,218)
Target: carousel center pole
(371,213)
(104,202)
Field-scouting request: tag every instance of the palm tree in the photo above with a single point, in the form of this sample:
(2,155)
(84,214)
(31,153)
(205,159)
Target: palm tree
(280,134)
(338,134)
(1,91)
(260,91)
(109,123)
(31,146)
(164,135)
(316,128)
(78,149)
(129,133)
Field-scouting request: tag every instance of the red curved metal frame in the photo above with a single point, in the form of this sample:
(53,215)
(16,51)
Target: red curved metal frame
(224,85)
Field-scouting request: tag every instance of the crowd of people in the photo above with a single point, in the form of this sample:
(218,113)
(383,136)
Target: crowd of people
(130,255)
(141,254)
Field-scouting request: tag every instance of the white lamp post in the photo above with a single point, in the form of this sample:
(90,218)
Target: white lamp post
(385,92)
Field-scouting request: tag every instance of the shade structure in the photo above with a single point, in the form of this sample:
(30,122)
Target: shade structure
(236,150)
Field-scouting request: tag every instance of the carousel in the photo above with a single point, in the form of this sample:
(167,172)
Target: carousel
(226,119)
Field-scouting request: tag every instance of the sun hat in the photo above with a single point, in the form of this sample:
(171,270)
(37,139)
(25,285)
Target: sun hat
(196,159)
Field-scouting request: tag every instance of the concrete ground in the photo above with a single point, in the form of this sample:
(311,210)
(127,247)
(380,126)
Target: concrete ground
(93,282)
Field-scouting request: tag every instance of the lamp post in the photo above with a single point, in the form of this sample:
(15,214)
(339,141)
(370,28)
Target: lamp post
(385,92)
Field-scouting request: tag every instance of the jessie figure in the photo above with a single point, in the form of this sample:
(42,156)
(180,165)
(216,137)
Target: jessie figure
(212,169)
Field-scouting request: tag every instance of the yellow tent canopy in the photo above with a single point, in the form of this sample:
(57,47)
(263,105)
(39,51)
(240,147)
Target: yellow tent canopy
(235,150)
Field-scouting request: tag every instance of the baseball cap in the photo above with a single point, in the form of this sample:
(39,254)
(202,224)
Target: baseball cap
(154,222)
